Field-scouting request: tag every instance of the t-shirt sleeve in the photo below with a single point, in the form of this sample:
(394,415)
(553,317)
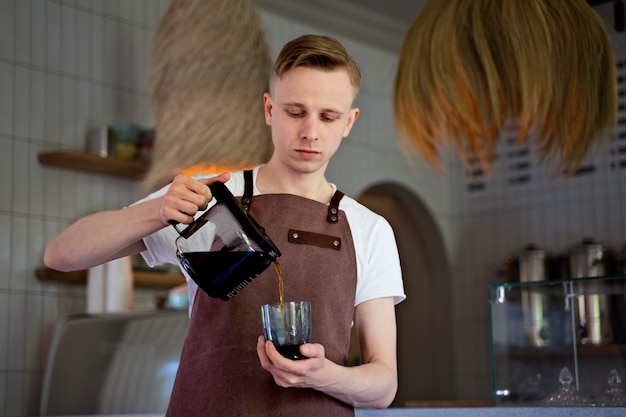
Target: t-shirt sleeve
(378,261)
(161,247)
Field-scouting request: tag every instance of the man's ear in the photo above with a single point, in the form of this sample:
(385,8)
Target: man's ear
(268,107)
(354,114)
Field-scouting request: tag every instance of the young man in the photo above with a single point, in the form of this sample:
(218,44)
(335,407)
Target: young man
(309,109)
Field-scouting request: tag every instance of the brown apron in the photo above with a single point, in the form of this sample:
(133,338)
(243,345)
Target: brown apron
(220,373)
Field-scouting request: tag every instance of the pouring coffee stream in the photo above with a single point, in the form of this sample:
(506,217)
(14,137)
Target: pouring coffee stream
(224,249)
(281,298)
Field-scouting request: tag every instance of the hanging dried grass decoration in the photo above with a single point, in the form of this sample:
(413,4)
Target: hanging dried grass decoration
(210,67)
(468,69)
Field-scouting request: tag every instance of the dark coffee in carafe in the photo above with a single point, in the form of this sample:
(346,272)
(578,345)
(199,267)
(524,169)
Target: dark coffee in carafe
(224,249)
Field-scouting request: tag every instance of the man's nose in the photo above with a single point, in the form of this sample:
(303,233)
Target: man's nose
(309,129)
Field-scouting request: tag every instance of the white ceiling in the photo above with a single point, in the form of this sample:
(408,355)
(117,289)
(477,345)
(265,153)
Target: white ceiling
(381,23)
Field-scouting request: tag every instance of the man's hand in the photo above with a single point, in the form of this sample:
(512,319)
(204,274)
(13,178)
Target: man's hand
(373,384)
(186,196)
(301,373)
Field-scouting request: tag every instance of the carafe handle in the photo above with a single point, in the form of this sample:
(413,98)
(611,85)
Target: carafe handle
(217,190)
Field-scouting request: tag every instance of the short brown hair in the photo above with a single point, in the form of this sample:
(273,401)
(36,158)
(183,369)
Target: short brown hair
(316,51)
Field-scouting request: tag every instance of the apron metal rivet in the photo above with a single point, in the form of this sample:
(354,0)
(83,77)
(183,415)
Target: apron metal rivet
(295,235)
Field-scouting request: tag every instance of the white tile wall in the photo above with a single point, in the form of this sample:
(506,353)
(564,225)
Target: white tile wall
(67,65)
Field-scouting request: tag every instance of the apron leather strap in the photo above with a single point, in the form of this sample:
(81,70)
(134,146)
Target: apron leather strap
(333,207)
(246,199)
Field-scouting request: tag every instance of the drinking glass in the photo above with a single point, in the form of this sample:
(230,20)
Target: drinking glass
(288,326)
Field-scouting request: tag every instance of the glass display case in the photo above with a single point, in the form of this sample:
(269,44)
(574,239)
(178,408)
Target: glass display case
(559,343)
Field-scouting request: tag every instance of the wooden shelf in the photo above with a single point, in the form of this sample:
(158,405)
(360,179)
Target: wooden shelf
(145,279)
(87,162)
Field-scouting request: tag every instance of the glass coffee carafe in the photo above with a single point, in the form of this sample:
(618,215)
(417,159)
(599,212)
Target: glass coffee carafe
(224,249)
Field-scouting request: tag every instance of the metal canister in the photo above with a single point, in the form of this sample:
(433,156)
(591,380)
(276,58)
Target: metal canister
(588,260)
(618,307)
(535,304)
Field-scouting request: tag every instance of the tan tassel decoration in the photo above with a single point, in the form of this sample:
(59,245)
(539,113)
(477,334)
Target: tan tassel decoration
(468,69)
(210,67)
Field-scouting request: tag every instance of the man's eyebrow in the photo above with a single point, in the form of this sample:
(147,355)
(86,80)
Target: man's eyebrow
(333,111)
(292,104)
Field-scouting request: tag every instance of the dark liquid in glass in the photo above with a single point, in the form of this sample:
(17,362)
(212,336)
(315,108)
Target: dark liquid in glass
(290,351)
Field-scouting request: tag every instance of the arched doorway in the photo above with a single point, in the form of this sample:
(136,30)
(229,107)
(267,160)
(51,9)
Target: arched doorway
(425,334)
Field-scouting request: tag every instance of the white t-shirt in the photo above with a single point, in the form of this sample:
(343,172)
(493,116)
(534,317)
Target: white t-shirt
(377,260)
